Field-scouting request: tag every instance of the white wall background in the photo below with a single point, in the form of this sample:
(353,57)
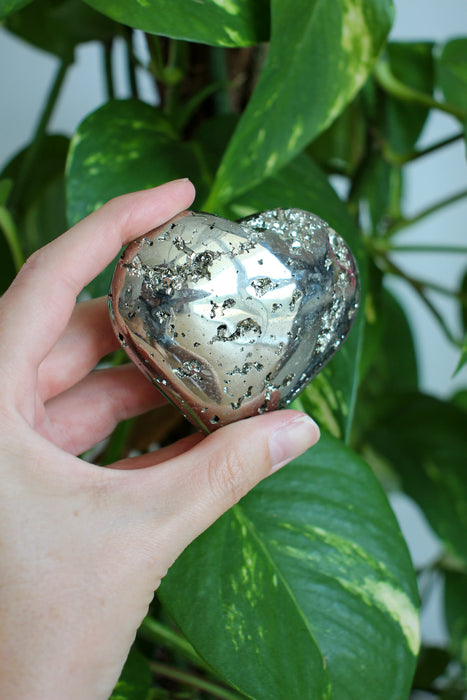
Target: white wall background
(26,73)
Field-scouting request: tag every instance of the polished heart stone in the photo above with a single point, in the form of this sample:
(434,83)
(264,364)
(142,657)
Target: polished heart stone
(230,319)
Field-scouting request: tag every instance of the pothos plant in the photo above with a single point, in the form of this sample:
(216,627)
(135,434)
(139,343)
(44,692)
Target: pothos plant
(305,589)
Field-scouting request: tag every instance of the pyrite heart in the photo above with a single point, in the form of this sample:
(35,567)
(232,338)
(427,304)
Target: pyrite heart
(233,319)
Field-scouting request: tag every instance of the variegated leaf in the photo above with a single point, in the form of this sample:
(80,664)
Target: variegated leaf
(214,22)
(304,589)
(320,55)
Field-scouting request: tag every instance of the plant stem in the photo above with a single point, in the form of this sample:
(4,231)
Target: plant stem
(398,160)
(404,223)
(183,115)
(455,249)
(383,246)
(434,311)
(108,69)
(188,678)
(154,631)
(172,86)
(131,70)
(419,288)
(156,66)
(220,75)
(30,155)
(7,225)
(388,81)
(426,284)
(377,247)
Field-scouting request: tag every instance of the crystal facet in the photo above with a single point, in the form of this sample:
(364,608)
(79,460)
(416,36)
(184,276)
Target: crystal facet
(231,319)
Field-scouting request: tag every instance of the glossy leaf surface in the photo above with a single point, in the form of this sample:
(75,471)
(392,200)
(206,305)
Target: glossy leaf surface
(386,372)
(122,147)
(426,442)
(452,72)
(383,373)
(135,679)
(57,26)
(455,586)
(432,663)
(7,7)
(320,55)
(225,23)
(463,309)
(5,189)
(330,397)
(463,358)
(42,214)
(412,63)
(7,263)
(305,588)
(341,147)
(375,188)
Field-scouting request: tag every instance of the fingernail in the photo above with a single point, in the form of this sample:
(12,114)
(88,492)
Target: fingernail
(291,440)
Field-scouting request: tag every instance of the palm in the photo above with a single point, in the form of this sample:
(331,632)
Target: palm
(77,538)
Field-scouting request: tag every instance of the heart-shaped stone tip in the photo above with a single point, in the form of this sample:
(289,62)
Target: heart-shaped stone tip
(231,319)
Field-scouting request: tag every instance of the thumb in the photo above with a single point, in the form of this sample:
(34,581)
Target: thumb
(214,474)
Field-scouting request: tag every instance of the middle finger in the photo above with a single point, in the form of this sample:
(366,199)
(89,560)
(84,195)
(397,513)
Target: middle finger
(87,338)
(88,412)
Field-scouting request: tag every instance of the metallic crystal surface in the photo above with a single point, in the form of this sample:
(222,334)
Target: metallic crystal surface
(231,319)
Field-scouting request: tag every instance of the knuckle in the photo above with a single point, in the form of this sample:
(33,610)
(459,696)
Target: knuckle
(112,205)
(228,476)
(120,208)
(30,269)
(34,261)
(120,213)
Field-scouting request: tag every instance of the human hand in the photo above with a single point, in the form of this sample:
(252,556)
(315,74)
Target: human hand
(84,547)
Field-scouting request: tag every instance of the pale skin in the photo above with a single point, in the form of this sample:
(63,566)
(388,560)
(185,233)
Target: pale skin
(82,547)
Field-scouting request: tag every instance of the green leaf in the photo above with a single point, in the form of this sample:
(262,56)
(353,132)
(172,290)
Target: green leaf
(459,399)
(7,7)
(413,64)
(383,371)
(377,190)
(330,397)
(455,586)
(426,442)
(452,72)
(214,22)
(52,156)
(122,147)
(463,308)
(320,55)
(463,314)
(7,262)
(305,588)
(378,187)
(341,147)
(5,189)
(432,662)
(57,26)
(463,358)
(41,214)
(45,218)
(213,136)
(392,371)
(135,680)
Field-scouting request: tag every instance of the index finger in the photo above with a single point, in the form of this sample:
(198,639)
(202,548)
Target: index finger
(36,308)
